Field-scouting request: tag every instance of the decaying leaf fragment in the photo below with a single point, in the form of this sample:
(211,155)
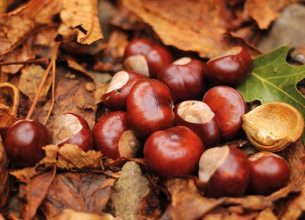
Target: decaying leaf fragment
(81,15)
(187,203)
(19,24)
(67,157)
(84,192)
(71,95)
(204,22)
(132,195)
(68,214)
(264,12)
(4,187)
(34,191)
(29,82)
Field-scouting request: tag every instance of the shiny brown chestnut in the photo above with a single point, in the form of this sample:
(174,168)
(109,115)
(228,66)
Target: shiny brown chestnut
(71,128)
(155,55)
(268,172)
(149,107)
(24,141)
(184,78)
(173,152)
(198,116)
(224,171)
(119,88)
(228,106)
(113,137)
(230,69)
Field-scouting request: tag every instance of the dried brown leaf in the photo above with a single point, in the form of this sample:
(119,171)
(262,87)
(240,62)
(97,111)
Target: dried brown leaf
(73,64)
(85,192)
(264,12)
(70,157)
(252,203)
(68,214)
(34,192)
(4,186)
(22,53)
(187,203)
(295,208)
(81,15)
(130,191)
(295,156)
(205,22)
(29,81)
(67,157)
(266,214)
(19,24)
(71,95)
(6,121)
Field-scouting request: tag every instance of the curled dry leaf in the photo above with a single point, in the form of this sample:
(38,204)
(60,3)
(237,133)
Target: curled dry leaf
(81,15)
(295,156)
(34,192)
(70,157)
(68,214)
(29,82)
(84,192)
(67,157)
(264,12)
(4,187)
(266,214)
(187,203)
(132,197)
(9,99)
(296,207)
(19,24)
(73,64)
(205,22)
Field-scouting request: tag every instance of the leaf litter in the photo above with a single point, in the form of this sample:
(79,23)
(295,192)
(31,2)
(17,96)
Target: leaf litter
(69,183)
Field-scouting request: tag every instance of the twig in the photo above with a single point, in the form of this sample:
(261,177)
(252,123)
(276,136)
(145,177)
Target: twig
(42,81)
(42,61)
(53,91)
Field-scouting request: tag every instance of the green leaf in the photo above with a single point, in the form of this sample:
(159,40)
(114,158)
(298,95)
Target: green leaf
(273,79)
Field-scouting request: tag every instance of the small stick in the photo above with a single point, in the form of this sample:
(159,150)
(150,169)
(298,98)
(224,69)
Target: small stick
(53,91)
(42,82)
(42,61)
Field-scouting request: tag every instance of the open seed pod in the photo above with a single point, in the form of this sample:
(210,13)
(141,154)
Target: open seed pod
(273,126)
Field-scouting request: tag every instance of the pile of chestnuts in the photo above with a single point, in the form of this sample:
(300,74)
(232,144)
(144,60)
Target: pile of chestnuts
(179,110)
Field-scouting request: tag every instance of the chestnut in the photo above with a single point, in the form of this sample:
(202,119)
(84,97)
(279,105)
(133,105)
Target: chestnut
(113,137)
(155,55)
(149,107)
(228,106)
(71,128)
(24,141)
(198,116)
(224,171)
(173,152)
(230,69)
(119,88)
(268,172)
(184,78)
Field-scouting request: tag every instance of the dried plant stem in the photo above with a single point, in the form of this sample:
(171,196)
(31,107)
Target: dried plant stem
(42,81)
(42,61)
(53,91)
